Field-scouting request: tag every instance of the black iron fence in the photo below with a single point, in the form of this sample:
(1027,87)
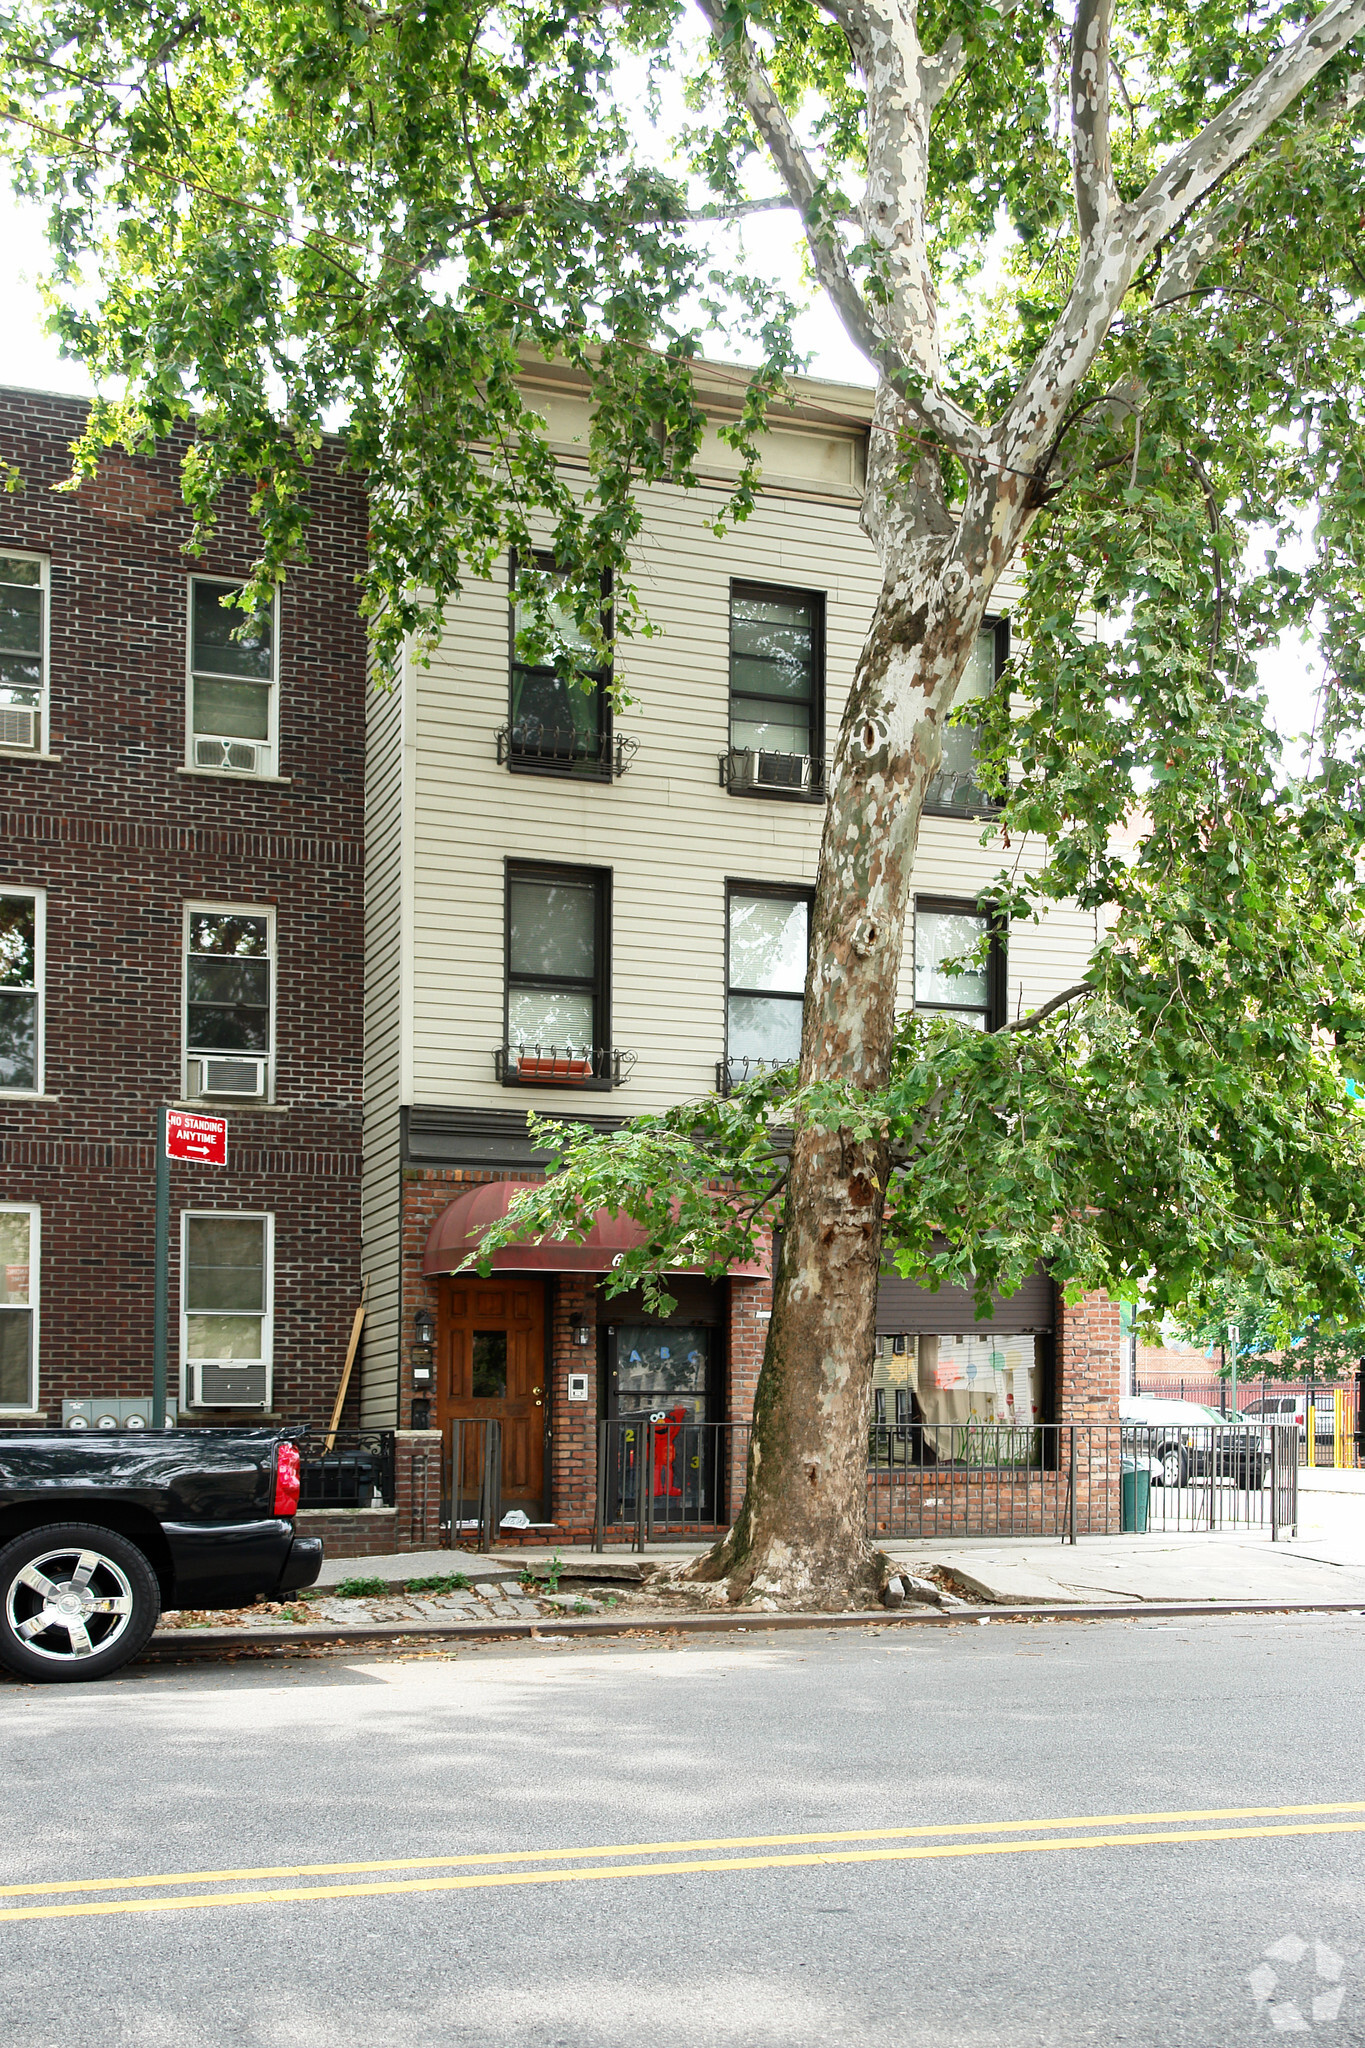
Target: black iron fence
(662,1478)
(471,1481)
(1069,1480)
(346,1468)
(665,1476)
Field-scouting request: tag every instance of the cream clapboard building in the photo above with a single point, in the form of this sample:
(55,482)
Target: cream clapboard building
(578,914)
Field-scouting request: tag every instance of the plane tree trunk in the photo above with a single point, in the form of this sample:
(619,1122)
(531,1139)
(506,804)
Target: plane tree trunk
(801,1534)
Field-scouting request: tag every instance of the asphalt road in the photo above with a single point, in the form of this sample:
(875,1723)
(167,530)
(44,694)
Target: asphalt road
(1075,1927)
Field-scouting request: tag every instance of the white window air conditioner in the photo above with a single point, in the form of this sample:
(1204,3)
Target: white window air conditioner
(245,756)
(244,1079)
(751,768)
(231,1383)
(18,725)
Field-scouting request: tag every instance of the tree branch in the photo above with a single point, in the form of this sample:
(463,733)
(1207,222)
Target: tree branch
(1026,436)
(1194,170)
(883,350)
(1187,256)
(1092,166)
(1034,1018)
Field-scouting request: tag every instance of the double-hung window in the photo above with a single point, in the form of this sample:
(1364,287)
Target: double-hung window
(776,692)
(21,991)
(955,789)
(229,1001)
(558,723)
(948,931)
(226,1321)
(558,1028)
(23,651)
(19,1222)
(768,940)
(234,712)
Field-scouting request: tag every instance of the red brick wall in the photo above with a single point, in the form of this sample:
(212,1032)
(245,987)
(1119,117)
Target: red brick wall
(121,840)
(573,1424)
(1088,1351)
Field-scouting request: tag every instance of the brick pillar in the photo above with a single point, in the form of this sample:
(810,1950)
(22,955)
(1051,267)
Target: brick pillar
(751,1302)
(1089,1353)
(573,1424)
(1088,1360)
(417,1457)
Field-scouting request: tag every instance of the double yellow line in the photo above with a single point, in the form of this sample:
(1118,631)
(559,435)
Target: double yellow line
(477,1873)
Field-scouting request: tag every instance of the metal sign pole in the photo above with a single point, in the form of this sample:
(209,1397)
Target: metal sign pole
(161,1261)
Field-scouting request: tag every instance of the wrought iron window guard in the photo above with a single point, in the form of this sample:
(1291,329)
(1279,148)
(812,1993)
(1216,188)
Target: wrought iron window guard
(740,1067)
(759,771)
(562,1066)
(563,750)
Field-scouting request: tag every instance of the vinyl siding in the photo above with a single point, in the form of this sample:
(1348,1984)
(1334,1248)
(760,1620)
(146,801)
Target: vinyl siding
(668,832)
(386,884)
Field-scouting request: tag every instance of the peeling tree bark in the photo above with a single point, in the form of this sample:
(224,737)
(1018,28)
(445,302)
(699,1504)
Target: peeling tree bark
(801,1535)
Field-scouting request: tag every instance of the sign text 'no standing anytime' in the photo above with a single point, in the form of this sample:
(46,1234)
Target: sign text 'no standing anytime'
(196,1137)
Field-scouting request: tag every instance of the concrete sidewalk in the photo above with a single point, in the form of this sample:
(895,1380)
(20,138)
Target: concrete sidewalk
(1324,1562)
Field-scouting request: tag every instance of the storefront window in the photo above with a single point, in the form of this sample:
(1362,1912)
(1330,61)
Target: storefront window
(968,1399)
(660,1370)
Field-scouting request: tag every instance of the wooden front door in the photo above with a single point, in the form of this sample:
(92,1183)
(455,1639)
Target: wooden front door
(491,1363)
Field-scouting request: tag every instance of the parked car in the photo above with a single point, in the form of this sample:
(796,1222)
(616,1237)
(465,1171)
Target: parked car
(1282,1409)
(100,1531)
(1183,1440)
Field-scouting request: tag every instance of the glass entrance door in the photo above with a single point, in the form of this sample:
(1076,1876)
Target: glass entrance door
(661,1375)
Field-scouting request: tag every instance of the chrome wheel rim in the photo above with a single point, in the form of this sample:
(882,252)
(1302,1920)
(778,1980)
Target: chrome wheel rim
(69,1604)
(1170,1469)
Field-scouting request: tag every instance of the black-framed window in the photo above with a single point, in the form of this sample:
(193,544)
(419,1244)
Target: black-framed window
(955,790)
(948,929)
(557,964)
(557,725)
(767,946)
(777,683)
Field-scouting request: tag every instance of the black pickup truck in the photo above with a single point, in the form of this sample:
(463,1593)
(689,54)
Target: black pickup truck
(99,1532)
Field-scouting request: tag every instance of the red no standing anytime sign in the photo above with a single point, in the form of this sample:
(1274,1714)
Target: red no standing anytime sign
(196,1137)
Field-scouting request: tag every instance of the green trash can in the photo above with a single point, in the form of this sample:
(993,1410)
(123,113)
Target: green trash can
(1135,1495)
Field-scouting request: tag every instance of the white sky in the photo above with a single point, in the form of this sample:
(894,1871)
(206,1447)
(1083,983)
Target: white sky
(29,356)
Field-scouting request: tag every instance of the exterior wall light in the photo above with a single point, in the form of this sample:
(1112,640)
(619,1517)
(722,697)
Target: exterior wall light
(582,1335)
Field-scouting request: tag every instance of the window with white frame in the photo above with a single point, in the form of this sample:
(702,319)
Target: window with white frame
(234,713)
(227,1309)
(23,651)
(229,1002)
(18,1306)
(21,991)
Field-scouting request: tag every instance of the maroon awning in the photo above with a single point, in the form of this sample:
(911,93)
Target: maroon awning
(455,1235)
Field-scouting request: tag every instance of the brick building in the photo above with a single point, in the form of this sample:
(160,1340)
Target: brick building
(571,910)
(181,875)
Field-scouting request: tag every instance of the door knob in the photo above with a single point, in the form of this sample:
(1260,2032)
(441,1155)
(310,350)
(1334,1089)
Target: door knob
(537,1390)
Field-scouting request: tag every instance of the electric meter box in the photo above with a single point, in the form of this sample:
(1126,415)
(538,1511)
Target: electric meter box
(132,1413)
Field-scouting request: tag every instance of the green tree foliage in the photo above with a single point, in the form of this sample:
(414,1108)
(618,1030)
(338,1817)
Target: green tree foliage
(323,212)
(308,215)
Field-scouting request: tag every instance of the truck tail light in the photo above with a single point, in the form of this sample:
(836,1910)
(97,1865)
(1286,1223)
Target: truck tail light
(286,1479)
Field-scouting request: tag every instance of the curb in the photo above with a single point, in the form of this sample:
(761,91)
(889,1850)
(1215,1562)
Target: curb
(178,1644)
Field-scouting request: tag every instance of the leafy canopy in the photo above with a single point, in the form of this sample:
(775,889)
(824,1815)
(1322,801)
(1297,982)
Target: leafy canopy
(328,213)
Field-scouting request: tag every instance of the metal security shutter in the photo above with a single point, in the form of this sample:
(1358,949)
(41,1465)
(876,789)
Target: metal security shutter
(902,1305)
